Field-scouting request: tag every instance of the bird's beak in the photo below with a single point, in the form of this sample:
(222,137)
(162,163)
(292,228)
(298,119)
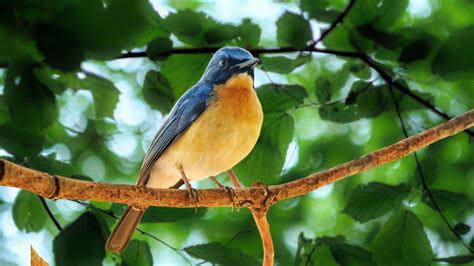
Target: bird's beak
(249,63)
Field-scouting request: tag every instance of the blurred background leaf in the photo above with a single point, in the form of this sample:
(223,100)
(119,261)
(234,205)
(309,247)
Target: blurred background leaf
(84,86)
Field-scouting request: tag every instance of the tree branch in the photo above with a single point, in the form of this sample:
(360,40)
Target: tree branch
(255,51)
(426,189)
(260,217)
(402,88)
(365,58)
(262,197)
(50,214)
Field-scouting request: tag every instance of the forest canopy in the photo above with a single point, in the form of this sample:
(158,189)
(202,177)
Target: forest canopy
(84,86)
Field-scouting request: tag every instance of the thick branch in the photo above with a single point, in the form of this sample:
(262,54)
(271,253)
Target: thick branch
(46,185)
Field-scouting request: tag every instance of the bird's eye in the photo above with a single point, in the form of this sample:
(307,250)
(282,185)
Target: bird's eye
(222,63)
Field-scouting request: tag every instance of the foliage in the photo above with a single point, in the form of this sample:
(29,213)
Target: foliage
(68,106)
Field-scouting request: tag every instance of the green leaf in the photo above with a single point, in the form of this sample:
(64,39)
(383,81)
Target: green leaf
(157,92)
(28,212)
(50,165)
(66,54)
(16,45)
(373,200)
(364,101)
(183,71)
(187,24)
(361,70)
(104,93)
(164,214)
(266,160)
(80,243)
(45,76)
(346,254)
(219,35)
(320,10)
(32,107)
(137,253)
(429,166)
(101,219)
(321,255)
(293,30)
(338,39)
(402,241)
(282,64)
(340,252)
(371,32)
(416,50)
(4,112)
(159,48)
(109,29)
(330,241)
(216,253)
(382,14)
(280,97)
(446,200)
(38,104)
(456,56)
(249,35)
(198,29)
(323,90)
(463,259)
(462,228)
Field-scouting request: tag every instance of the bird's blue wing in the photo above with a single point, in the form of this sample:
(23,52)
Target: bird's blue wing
(188,108)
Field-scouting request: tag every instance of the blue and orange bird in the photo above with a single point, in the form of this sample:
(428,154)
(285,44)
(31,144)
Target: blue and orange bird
(211,128)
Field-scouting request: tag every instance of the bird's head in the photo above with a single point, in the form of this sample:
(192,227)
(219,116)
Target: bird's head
(227,62)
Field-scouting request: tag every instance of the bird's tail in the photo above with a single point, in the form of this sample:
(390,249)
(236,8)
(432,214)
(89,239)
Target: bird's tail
(122,233)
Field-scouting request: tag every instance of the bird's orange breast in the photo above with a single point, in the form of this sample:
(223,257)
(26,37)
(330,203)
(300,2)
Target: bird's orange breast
(221,137)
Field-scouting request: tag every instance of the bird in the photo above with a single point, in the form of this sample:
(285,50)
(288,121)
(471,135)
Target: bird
(212,127)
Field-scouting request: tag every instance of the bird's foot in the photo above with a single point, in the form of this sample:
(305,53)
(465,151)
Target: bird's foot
(232,195)
(194,195)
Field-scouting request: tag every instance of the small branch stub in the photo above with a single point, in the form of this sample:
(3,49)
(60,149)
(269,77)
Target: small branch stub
(260,218)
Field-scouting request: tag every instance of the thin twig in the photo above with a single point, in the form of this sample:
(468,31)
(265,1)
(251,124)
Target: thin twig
(308,259)
(385,76)
(422,177)
(335,23)
(365,58)
(238,234)
(111,214)
(50,214)
(255,51)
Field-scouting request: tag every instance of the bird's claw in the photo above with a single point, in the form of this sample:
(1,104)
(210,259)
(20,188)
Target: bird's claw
(194,196)
(232,195)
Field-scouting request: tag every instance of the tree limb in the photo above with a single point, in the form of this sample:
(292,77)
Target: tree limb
(359,55)
(257,198)
(50,186)
(260,217)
